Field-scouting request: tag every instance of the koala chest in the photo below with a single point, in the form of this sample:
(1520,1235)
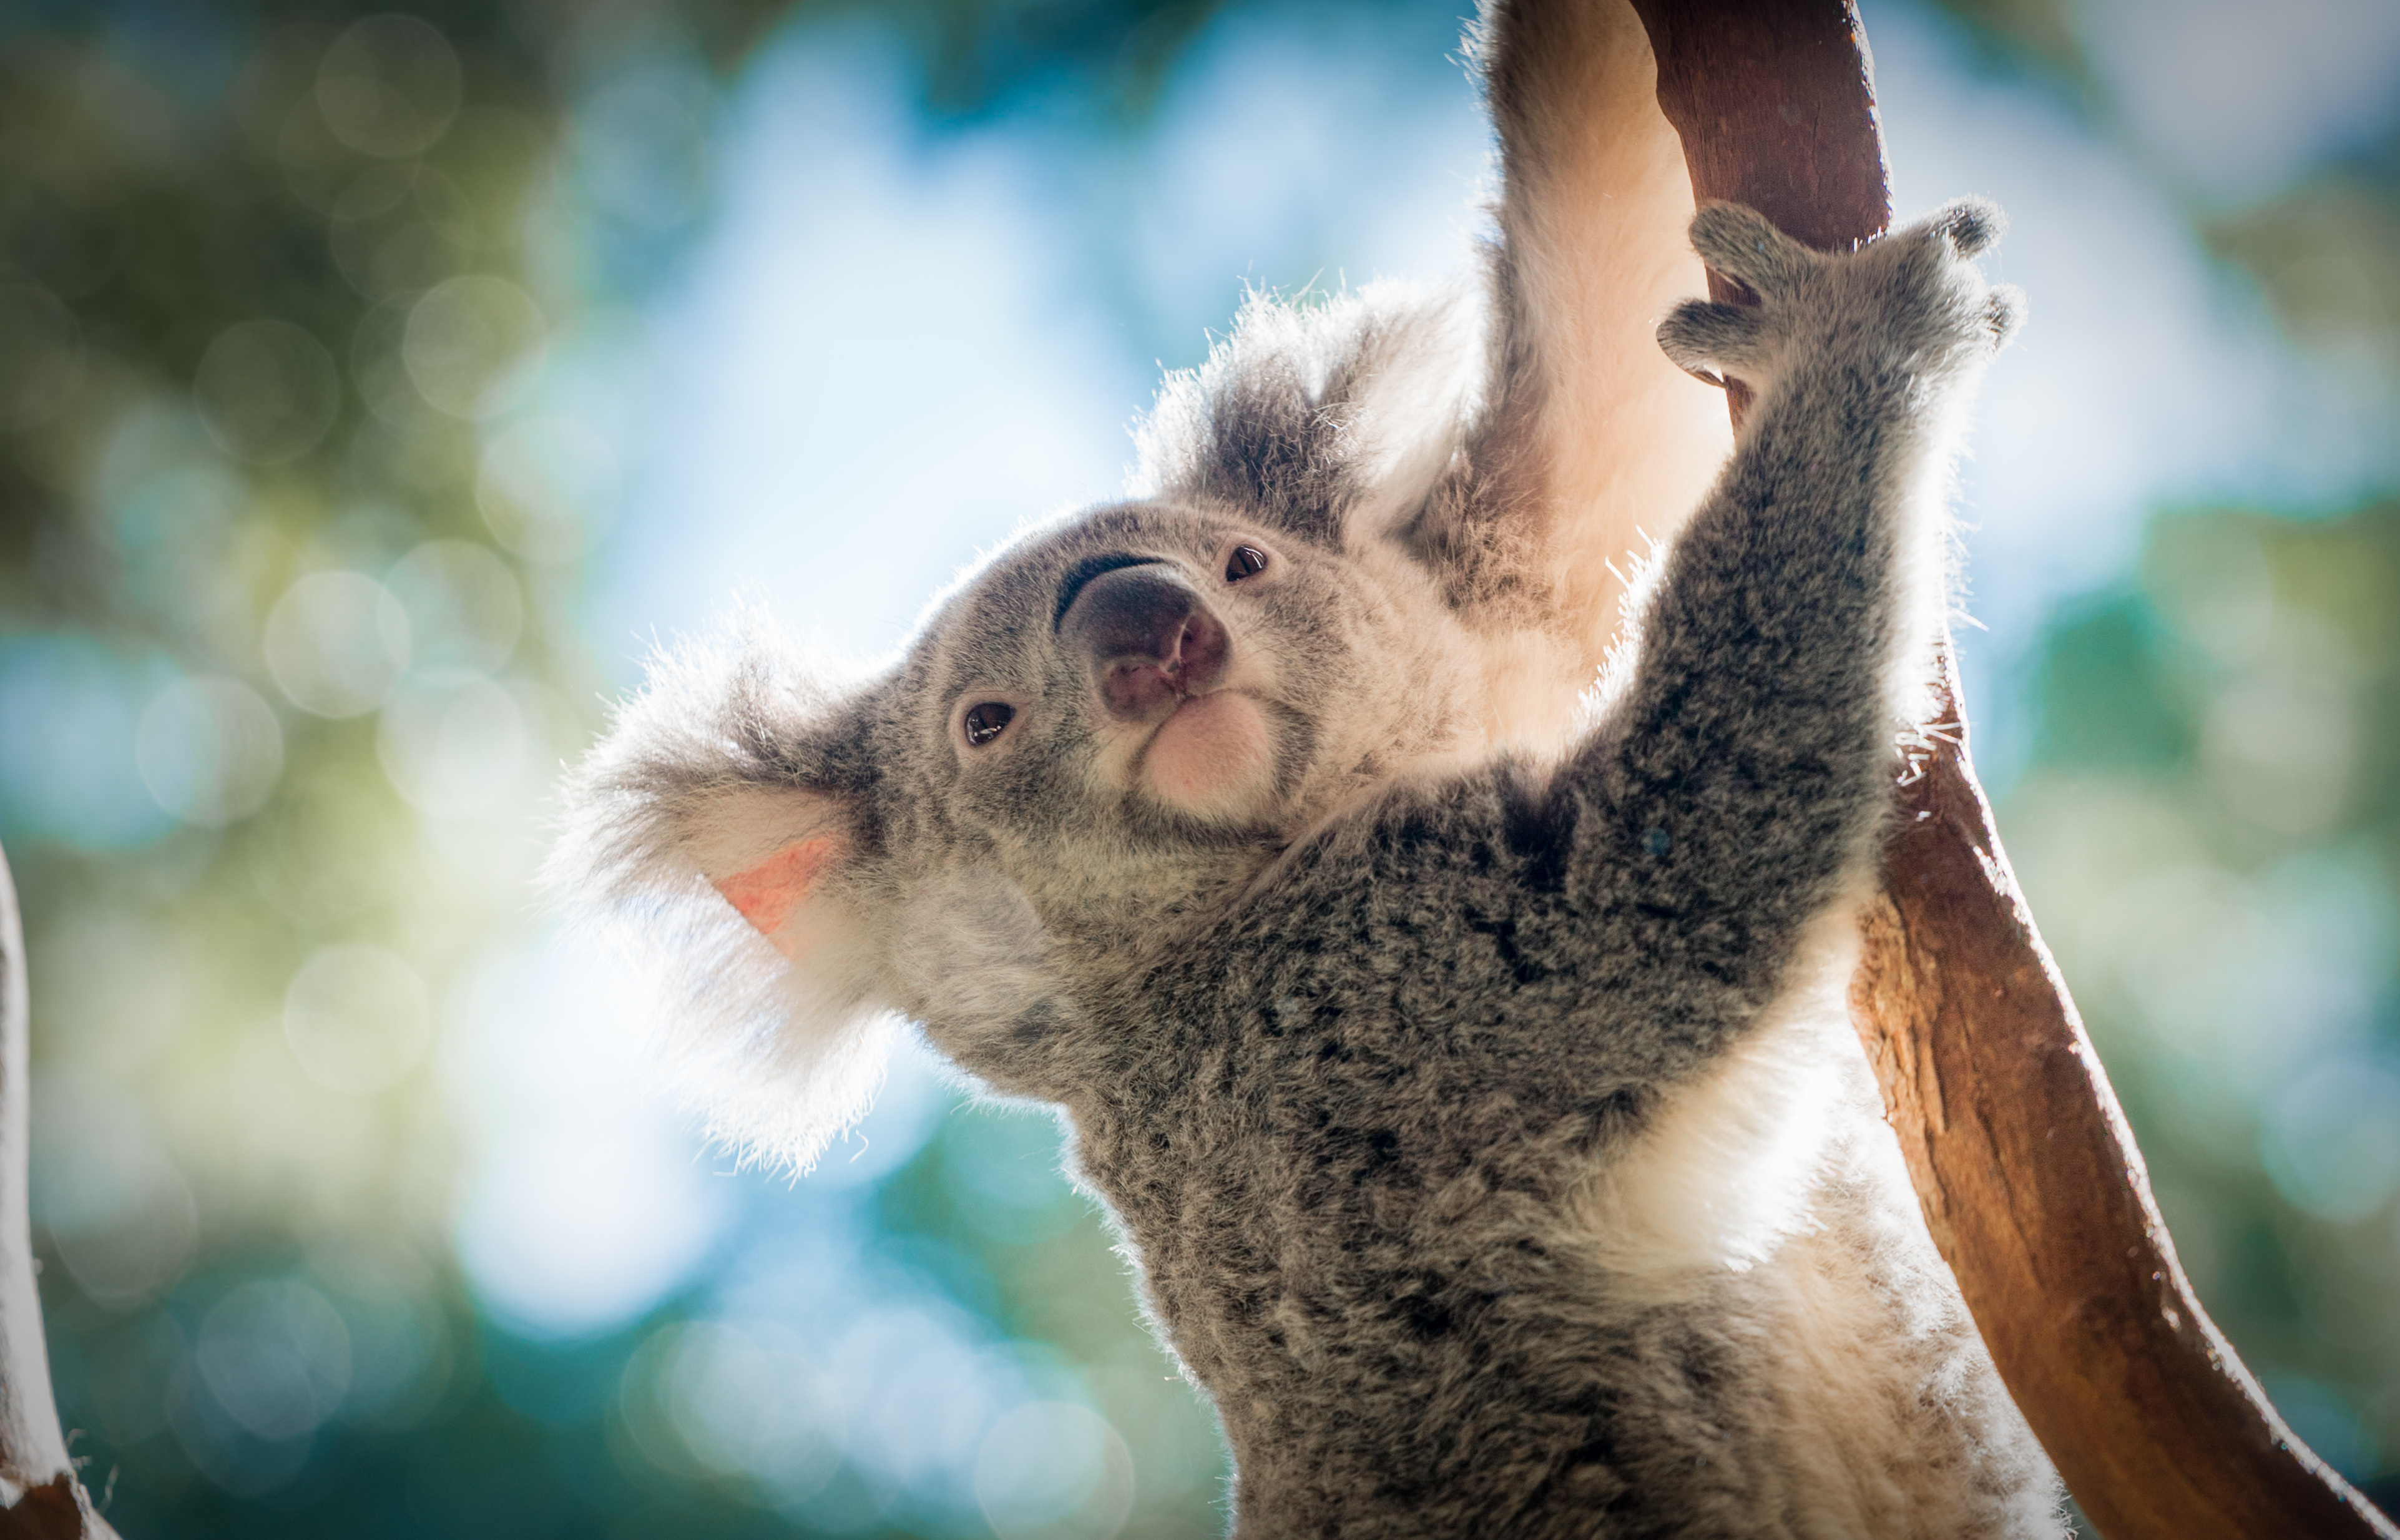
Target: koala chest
(1326,1201)
(1433,1173)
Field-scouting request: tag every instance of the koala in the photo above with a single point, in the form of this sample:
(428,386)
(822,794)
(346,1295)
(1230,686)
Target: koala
(1478,1105)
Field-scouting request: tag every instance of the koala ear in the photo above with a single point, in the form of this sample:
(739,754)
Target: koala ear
(774,854)
(1335,420)
(723,830)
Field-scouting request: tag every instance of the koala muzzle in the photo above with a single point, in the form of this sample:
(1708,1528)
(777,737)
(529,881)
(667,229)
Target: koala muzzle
(1150,637)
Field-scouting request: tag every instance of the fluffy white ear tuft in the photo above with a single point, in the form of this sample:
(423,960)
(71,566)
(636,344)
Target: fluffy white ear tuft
(1372,372)
(716,831)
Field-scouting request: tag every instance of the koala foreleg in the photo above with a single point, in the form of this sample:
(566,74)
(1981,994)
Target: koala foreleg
(1745,770)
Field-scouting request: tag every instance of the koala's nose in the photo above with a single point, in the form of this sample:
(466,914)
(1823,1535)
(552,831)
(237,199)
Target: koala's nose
(1150,638)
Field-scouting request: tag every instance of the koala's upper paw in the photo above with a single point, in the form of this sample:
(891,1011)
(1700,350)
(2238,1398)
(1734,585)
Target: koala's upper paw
(1912,298)
(1931,278)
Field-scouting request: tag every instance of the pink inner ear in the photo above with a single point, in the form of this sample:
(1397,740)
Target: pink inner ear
(768,893)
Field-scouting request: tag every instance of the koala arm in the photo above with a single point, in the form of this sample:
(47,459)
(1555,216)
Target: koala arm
(1740,778)
(1596,440)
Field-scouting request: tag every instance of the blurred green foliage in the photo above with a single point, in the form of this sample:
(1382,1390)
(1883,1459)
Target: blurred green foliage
(2328,255)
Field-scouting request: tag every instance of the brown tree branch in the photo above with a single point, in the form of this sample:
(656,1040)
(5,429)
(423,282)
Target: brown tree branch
(2028,1174)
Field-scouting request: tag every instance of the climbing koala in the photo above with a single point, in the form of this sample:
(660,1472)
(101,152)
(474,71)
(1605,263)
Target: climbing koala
(1479,1107)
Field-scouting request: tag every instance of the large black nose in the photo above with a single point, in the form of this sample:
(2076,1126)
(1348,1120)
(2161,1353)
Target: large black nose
(1150,637)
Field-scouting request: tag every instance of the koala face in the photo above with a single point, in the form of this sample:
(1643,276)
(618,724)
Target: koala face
(1139,665)
(1153,695)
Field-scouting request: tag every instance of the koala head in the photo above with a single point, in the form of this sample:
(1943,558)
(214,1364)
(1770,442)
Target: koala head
(1115,722)
(1125,711)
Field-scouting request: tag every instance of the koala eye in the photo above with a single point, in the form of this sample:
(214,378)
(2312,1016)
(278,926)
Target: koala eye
(987,721)
(1248,561)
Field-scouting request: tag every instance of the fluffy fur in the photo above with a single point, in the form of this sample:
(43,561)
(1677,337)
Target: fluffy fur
(1468,1073)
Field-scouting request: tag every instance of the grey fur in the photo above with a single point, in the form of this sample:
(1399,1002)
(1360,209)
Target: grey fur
(1483,1120)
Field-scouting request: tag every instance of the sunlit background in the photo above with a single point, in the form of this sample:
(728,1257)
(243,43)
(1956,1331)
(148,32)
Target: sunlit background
(374,387)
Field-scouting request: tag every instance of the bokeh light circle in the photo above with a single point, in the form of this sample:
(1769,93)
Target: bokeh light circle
(547,487)
(210,750)
(464,608)
(276,1356)
(389,87)
(1053,1470)
(705,1399)
(453,744)
(474,345)
(266,391)
(336,642)
(401,228)
(144,1246)
(115,1206)
(357,1018)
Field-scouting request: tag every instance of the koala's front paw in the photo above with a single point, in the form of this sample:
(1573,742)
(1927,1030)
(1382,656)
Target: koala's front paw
(1911,301)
